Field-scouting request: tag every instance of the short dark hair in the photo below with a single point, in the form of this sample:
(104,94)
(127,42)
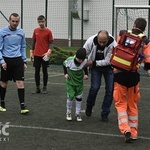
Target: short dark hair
(81,53)
(13,14)
(140,23)
(41,17)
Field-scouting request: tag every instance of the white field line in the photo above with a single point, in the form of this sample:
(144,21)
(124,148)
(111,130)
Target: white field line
(86,85)
(56,75)
(72,131)
(28,80)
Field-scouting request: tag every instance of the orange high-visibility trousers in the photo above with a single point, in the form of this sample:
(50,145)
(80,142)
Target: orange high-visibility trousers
(126,104)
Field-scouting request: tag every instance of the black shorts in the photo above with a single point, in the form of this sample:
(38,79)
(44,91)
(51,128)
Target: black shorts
(14,71)
(38,62)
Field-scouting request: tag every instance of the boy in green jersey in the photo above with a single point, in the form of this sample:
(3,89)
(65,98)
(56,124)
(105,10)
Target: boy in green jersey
(75,71)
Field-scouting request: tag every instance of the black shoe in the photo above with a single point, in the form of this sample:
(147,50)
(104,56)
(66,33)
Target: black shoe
(133,139)
(88,111)
(37,91)
(128,138)
(104,118)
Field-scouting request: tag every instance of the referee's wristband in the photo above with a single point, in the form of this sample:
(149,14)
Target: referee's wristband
(25,62)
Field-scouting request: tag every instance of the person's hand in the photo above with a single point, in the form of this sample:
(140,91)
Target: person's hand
(85,77)
(31,55)
(46,56)
(25,66)
(67,76)
(4,66)
(148,71)
(89,63)
(32,58)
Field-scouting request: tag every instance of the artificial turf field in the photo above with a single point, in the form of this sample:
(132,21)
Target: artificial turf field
(45,127)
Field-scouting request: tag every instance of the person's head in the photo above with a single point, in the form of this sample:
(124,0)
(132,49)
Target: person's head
(140,23)
(102,38)
(80,55)
(14,20)
(41,21)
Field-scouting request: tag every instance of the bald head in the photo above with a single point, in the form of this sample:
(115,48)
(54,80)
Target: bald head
(102,38)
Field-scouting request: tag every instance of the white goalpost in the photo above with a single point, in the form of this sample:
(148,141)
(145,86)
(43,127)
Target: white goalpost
(124,16)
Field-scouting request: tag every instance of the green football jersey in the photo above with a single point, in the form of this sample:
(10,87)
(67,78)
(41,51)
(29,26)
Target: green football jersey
(75,71)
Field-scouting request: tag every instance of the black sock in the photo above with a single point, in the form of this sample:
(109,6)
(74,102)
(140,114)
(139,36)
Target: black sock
(2,93)
(3,103)
(21,97)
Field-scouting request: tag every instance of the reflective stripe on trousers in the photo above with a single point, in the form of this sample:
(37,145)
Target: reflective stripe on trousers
(126,105)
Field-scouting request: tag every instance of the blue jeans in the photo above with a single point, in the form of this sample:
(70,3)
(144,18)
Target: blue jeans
(96,76)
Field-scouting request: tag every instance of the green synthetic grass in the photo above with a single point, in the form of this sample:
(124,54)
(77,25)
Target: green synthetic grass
(45,127)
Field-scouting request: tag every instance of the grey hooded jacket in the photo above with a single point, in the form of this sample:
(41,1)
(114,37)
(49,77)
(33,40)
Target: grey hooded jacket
(91,47)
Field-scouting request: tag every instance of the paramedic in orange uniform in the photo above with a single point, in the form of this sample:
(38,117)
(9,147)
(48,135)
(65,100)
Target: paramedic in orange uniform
(126,88)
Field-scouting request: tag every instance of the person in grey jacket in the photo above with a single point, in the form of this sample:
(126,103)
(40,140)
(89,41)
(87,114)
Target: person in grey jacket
(98,48)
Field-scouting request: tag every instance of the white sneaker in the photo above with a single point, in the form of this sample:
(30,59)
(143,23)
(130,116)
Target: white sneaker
(78,117)
(68,116)
(2,109)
